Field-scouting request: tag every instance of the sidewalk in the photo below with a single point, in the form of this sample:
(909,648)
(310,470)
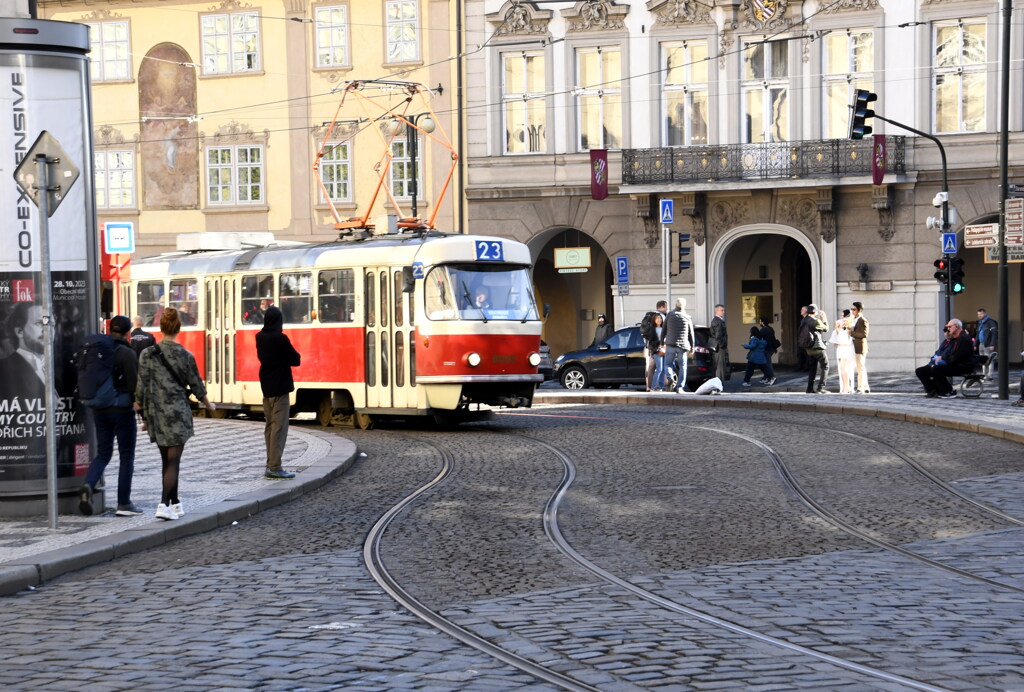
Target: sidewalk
(221,482)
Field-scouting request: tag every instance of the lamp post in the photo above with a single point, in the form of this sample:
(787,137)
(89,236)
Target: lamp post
(426,125)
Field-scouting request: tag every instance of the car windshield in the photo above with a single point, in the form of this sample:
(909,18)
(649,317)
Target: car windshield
(479,292)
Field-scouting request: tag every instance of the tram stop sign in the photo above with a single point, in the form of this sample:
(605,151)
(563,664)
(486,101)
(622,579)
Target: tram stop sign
(62,172)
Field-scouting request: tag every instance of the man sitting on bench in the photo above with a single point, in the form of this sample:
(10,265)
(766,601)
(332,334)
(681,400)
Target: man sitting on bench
(954,357)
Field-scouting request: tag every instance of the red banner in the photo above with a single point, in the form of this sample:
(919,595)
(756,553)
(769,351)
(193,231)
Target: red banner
(598,173)
(878,160)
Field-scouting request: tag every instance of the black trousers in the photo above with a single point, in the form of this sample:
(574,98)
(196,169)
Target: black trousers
(935,378)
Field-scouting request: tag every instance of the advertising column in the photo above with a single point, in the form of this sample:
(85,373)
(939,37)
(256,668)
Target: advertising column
(44,86)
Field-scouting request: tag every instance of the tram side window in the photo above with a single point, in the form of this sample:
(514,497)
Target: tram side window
(439,302)
(399,299)
(257,296)
(370,300)
(384,299)
(149,302)
(185,298)
(296,291)
(337,295)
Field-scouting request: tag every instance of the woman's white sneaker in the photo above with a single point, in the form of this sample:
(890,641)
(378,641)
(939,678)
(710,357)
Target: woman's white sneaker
(165,512)
(178,511)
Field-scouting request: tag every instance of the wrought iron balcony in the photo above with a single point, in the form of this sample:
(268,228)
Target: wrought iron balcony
(814,158)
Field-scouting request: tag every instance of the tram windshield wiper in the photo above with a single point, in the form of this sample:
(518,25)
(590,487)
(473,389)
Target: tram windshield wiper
(469,301)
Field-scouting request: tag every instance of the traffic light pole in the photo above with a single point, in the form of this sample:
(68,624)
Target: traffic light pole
(945,197)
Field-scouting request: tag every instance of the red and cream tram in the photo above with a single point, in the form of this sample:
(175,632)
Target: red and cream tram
(409,323)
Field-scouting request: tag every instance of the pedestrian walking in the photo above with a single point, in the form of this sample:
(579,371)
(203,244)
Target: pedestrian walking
(116,422)
(845,354)
(756,357)
(718,342)
(654,339)
(772,346)
(679,340)
(810,339)
(859,334)
(277,358)
(140,339)
(645,326)
(801,354)
(167,375)
(603,331)
(955,356)
(988,337)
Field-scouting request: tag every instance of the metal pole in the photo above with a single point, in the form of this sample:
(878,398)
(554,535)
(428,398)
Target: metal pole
(1003,343)
(411,134)
(666,264)
(47,309)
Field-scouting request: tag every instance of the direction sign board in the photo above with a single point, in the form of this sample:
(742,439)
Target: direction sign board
(1014,238)
(667,211)
(949,243)
(622,269)
(981,234)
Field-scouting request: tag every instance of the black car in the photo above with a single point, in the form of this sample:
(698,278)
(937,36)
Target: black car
(620,360)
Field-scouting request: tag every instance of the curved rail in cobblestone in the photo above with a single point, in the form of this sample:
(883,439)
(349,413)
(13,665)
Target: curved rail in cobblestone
(555,535)
(380,574)
(828,516)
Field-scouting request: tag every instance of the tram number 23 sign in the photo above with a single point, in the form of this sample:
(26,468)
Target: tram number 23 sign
(490,251)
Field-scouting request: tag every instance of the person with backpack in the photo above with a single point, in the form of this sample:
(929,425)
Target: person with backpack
(167,375)
(767,333)
(811,341)
(108,372)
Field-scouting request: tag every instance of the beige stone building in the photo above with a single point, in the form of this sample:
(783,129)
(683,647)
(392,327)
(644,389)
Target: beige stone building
(738,111)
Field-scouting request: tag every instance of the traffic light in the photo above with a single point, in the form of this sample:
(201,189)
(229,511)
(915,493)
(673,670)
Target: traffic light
(942,271)
(956,276)
(684,252)
(861,113)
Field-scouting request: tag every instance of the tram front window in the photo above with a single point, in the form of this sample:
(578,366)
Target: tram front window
(479,291)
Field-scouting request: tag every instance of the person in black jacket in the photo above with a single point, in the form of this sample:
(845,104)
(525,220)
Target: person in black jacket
(277,357)
(954,357)
(140,339)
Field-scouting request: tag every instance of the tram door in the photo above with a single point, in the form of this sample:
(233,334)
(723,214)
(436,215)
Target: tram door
(220,337)
(387,338)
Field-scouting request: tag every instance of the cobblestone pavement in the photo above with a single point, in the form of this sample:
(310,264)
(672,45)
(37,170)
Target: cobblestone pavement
(281,600)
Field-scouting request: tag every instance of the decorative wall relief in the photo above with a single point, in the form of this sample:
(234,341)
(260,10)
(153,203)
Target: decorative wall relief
(724,215)
(679,12)
(766,14)
(840,5)
(170,149)
(645,209)
(108,136)
(595,15)
(694,205)
(799,212)
(519,18)
(881,200)
(826,217)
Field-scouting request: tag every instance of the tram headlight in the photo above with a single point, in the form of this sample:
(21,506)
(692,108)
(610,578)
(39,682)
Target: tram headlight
(472,359)
(533,359)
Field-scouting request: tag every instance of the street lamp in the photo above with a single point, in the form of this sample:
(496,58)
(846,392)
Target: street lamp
(426,125)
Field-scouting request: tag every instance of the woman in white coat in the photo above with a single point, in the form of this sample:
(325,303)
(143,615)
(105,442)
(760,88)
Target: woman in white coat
(844,352)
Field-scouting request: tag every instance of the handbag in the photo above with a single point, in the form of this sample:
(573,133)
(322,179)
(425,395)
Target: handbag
(661,350)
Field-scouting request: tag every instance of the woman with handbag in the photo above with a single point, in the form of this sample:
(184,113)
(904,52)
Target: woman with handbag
(655,338)
(167,373)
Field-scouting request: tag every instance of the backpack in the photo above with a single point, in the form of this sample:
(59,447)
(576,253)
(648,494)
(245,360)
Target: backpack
(646,322)
(94,362)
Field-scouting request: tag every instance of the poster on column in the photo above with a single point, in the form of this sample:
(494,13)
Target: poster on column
(42,92)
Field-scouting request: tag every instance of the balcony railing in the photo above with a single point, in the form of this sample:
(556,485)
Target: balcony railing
(817,158)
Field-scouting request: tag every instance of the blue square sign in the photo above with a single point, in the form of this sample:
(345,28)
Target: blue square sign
(119,237)
(666,211)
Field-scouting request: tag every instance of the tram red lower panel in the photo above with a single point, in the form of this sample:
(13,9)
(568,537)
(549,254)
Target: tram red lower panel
(328,355)
(500,354)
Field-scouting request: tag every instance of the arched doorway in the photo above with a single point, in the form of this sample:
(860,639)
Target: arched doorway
(575,297)
(766,271)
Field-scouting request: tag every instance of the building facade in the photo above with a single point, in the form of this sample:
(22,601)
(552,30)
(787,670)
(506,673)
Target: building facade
(737,111)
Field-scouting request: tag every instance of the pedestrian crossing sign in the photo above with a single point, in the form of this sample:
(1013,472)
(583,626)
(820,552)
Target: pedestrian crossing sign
(949,243)
(666,211)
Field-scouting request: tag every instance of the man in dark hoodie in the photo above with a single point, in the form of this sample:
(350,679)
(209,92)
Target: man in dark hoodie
(277,357)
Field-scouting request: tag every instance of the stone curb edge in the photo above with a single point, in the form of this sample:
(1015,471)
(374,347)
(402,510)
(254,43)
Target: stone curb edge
(18,575)
(925,418)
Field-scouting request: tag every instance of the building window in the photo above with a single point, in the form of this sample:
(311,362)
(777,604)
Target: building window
(402,166)
(231,42)
(109,54)
(958,76)
(336,172)
(847,65)
(332,36)
(522,95)
(685,93)
(115,179)
(402,16)
(599,98)
(765,88)
(234,175)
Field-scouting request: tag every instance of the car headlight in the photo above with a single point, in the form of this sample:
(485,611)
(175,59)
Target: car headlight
(533,359)
(472,359)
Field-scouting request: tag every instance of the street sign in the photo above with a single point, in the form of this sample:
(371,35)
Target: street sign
(119,237)
(622,270)
(981,241)
(981,235)
(667,211)
(949,243)
(623,289)
(62,172)
(1014,238)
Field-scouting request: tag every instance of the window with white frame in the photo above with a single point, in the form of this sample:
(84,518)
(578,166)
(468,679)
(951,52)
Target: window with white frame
(331,36)
(336,172)
(234,175)
(401,17)
(684,68)
(599,98)
(765,90)
(109,57)
(958,76)
(115,179)
(523,110)
(403,168)
(848,62)
(230,42)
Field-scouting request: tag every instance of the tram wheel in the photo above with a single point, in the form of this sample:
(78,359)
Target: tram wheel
(219,414)
(363,421)
(325,410)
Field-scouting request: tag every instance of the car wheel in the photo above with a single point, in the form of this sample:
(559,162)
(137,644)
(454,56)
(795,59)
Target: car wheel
(575,377)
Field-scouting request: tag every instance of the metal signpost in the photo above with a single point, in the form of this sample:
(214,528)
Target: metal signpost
(667,211)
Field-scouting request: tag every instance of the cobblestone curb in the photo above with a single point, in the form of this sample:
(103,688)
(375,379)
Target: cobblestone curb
(32,570)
